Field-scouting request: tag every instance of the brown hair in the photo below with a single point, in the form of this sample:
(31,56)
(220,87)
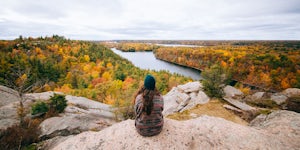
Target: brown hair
(147,96)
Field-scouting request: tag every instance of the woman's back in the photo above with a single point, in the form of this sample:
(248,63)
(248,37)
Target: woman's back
(149,125)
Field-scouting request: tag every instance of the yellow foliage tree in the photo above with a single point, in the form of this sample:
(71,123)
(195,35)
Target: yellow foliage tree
(86,58)
(109,65)
(95,74)
(285,84)
(106,76)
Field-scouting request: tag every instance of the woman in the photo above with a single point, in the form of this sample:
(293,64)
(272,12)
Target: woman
(148,109)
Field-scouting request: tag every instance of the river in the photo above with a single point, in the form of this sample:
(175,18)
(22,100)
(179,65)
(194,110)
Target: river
(147,60)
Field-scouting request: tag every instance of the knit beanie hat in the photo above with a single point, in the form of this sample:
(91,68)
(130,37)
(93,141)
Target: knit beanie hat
(149,82)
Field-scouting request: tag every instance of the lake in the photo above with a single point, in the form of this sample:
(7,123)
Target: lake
(147,60)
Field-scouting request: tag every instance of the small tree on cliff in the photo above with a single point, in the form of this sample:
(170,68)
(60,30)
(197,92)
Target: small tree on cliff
(215,78)
(20,81)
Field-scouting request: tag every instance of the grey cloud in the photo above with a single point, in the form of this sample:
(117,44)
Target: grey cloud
(142,19)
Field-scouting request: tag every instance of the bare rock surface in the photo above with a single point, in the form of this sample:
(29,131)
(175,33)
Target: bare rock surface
(279,131)
(238,104)
(190,87)
(291,92)
(8,107)
(7,96)
(230,91)
(258,95)
(69,124)
(278,98)
(80,115)
(51,143)
(195,99)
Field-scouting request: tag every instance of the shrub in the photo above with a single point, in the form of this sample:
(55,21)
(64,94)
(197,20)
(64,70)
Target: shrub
(20,136)
(246,90)
(39,107)
(214,78)
(58,102)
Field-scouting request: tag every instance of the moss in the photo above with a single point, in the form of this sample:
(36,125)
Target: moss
(181,115)
(264,104)
(30,147)
(265,111)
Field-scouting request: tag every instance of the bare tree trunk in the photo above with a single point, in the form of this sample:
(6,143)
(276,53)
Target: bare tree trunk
(21,109)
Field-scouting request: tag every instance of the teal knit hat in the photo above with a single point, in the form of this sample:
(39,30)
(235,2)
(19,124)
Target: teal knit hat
(149,82)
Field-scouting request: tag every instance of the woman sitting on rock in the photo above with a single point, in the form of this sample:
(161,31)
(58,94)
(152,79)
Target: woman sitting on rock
(148,108)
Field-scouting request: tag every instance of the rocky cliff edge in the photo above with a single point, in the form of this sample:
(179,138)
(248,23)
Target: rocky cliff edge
(278,130)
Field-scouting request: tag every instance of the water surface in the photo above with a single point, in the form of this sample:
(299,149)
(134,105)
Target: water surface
(147,60)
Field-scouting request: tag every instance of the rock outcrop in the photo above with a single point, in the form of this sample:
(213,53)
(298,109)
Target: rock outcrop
(291,92)
(184,97)
(87,124)
(80,115)
(280,130)
(235,98)
(230,91)
(279,98)
(7,96)
(288,99)
(239,105)
(8,107)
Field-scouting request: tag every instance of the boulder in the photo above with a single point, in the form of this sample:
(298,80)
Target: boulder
(69,124)
(282,123)
(174,101)
(170,103)
(79,101)
(278,98)
(92,107)
(41,96)
(292,92)
(177,100)
(190,87)
(87,103)
(258,95)
(9,101)
(200,98)
(293,104)
(80,115)
(181,97)
(203,132)
(7,96)
(183,105)
(238,104)
(8,115)
(230,91)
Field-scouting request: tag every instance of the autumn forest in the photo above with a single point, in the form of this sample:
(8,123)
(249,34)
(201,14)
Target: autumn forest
(268,65)
(90,69)
(79,68)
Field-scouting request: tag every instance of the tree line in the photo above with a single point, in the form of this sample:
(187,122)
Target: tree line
(272,65)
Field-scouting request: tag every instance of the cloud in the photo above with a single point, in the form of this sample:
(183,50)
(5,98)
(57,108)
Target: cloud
(152,19)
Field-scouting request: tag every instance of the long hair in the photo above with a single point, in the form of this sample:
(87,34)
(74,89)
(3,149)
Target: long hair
(147,100)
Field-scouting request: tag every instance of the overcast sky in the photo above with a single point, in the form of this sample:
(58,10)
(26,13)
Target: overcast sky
(152,19)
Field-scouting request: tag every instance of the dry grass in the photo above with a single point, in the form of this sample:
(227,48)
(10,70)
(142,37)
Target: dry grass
(213,108)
